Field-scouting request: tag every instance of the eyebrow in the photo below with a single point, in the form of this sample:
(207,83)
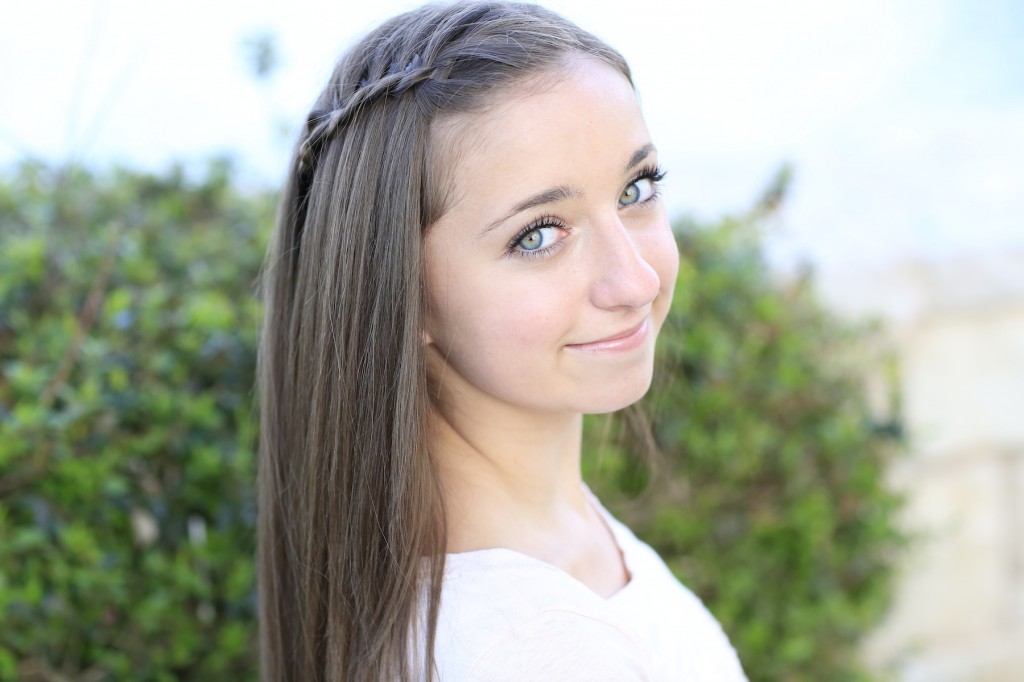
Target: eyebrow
(562,192)
(638,156)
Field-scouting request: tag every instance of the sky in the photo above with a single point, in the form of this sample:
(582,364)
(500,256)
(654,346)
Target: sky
(903,120)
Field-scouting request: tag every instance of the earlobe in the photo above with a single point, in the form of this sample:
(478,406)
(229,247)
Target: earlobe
(427,339)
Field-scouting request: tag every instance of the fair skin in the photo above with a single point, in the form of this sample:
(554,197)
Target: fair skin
(549,277)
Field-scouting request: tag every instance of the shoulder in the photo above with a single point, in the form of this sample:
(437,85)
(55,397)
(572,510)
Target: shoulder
(505,616)
(685,639)
(561,645)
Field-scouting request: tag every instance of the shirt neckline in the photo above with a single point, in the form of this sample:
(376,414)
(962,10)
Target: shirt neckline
(495,555)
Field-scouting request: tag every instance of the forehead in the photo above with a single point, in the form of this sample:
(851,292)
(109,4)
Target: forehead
(582,117)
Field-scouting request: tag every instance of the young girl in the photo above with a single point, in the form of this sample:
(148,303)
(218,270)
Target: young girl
(470,255)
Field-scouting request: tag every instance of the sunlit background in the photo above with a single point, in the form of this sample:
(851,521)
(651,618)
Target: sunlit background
(902,121)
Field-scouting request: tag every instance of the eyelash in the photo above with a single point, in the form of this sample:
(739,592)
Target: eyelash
(540,223)
(653,173)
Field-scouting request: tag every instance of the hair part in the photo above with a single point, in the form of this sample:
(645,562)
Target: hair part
(351,519)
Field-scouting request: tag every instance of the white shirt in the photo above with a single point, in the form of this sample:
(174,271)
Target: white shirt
(508,616)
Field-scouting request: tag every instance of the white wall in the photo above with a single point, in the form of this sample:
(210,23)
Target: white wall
(958,329)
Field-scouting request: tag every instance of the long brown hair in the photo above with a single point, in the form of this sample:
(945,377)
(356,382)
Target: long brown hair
(351,520)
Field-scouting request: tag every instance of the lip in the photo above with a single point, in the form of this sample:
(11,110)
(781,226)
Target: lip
(627,340)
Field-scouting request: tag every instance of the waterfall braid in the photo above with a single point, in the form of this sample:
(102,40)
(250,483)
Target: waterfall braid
(351,520)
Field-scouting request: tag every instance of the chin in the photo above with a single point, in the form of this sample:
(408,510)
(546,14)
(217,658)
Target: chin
(617,397)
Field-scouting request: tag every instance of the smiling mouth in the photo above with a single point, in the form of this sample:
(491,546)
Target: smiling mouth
(627,340)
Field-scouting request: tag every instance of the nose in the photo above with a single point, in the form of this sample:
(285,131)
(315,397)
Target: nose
(623,276)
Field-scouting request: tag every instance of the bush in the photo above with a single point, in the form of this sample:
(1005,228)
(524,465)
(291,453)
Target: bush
(127,348)
(768,500)
(128,328)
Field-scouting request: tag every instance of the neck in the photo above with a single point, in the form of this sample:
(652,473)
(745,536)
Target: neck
(509,477)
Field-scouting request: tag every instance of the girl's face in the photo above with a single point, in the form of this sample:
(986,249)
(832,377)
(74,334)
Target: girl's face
(552,271)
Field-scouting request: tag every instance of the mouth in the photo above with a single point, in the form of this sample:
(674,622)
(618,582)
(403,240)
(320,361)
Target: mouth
(623,341)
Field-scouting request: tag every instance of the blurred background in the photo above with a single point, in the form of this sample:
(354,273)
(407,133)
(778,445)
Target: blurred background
(898,127)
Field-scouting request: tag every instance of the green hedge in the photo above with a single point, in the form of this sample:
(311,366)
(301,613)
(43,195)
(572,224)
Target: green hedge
(127,346)
(127,343)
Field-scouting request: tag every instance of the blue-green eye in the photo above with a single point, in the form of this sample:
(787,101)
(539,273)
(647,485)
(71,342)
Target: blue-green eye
(637,192)
(643,187)
(538,238)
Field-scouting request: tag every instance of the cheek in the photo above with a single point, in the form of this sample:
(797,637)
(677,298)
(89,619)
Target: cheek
(492,316)
(668,267)
(496,342)
(492,322)
(662,253)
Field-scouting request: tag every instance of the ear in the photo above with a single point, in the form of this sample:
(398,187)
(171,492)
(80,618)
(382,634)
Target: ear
(427,338)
